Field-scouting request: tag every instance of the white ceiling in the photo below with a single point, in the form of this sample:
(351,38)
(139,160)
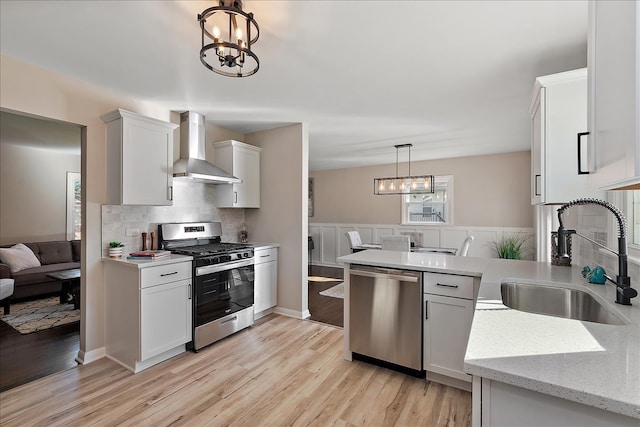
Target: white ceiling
(452,77)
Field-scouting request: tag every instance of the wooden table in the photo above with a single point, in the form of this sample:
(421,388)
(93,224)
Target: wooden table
(70,285)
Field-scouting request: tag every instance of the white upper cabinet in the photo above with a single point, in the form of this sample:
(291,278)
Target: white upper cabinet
(614,92)
(559,163)
(139,159)
(242,161)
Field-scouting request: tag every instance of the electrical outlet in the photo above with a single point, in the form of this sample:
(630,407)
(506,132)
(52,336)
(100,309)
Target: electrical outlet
(132,232)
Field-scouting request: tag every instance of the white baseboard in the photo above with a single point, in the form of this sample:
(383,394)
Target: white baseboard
(292,313)
(85,357)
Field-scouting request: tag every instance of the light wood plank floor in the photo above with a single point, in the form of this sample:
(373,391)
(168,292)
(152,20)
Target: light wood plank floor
(280,372)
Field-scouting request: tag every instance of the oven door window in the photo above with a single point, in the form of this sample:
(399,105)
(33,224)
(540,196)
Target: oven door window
(222,293)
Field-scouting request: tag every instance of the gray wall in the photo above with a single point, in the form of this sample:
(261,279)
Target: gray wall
(33,170)
(489,191)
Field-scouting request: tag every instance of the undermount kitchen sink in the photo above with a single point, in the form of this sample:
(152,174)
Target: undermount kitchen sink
(556,301)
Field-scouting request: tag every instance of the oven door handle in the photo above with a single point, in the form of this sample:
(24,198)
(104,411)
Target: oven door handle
(208,269)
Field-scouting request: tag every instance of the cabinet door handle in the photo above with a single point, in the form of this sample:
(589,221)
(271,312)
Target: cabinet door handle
(535,186)
(189,290)
(168,274)
(265,256)
(170,192)
(235,197)
(444,285)
(426,312)
(580,171)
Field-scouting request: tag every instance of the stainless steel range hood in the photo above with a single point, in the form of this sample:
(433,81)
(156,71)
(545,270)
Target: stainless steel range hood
(192,164)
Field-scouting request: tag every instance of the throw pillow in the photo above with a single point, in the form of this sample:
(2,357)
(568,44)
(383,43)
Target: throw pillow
(18,257)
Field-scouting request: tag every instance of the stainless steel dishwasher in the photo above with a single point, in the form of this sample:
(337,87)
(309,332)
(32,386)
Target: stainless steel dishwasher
(385,319)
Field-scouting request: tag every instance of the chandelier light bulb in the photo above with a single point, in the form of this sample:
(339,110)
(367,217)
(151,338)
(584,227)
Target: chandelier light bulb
(393,185)
(414,184)
(381,185)
(216,32)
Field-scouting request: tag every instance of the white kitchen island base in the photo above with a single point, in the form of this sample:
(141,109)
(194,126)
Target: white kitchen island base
(505,405)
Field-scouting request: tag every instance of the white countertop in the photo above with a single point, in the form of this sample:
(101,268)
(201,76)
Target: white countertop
(586,362)
(418,261)
(260,245)
(135,263)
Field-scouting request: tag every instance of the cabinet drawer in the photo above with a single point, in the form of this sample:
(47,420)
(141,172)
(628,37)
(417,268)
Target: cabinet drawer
(266,255)
(448,285)
(152,276)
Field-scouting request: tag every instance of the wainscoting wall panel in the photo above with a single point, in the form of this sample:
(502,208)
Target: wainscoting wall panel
(330,239)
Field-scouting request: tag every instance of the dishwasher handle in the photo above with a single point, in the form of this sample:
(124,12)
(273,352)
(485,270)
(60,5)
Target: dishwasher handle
(387,274)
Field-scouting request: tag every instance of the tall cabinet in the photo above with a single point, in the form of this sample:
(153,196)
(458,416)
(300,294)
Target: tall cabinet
(139,159)
(242,161)
(266,280)
(559,161)
(614,92)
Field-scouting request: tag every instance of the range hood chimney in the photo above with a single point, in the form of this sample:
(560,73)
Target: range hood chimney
(192,164)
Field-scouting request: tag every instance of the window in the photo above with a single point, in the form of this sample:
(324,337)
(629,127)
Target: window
(74,206)
(435,208)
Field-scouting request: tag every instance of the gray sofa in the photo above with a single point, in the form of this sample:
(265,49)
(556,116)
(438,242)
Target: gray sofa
(54,256)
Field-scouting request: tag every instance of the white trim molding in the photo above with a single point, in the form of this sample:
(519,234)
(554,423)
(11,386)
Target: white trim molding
(330,241)
(85,357)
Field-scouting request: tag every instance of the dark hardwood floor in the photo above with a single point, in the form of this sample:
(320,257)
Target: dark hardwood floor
(325,309)
(24,358)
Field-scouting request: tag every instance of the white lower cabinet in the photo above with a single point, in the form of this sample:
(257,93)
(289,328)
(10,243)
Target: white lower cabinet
(148,311)
(448,305)
(496,404)
(265,293)
(165,320)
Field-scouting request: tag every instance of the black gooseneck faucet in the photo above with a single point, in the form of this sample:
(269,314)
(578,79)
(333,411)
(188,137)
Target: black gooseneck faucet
(623,282)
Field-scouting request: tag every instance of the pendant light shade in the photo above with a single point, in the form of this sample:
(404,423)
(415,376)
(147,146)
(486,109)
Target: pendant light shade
(410,184)
(228,33)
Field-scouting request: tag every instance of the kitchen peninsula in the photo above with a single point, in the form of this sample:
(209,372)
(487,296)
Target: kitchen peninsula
(532,369)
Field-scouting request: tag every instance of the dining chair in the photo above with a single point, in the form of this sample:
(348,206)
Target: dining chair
(464,249)
(396,243)
(353,237)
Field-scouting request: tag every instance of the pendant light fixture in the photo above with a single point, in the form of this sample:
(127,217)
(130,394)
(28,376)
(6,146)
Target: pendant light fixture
(227,36)
(417,184)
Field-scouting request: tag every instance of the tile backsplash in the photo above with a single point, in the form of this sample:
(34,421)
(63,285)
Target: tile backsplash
(596,222)
(192,202)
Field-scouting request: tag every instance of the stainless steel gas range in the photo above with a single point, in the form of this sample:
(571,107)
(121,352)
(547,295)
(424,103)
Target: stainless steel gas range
(222,279)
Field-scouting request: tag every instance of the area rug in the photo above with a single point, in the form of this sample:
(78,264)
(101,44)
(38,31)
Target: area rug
(335,292)
(33,316)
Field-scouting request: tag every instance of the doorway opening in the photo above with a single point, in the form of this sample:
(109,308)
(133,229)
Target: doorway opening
(42,202)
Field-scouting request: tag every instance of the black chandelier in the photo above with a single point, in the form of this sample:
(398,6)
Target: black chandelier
(229,33)
(410,184)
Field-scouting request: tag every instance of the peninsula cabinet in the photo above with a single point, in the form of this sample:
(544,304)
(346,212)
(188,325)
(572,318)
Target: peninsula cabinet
(265,293)
(614,92)
(559,162)
(242,161)
(139,159)
(496,404)
(448,305)
(148,311)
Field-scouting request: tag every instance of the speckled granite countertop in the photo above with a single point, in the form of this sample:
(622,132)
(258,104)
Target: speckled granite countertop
(590,363)
(586,362)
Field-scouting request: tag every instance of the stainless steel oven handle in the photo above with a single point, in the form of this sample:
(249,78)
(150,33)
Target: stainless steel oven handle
(233,319)
(208,269)
(381,275)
